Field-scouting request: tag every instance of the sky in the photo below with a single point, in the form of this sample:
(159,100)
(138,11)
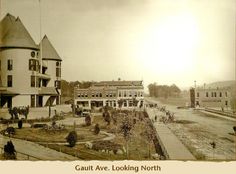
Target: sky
(162,41)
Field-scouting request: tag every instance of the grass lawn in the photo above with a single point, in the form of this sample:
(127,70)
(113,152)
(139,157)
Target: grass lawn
(139,147)
(41,135)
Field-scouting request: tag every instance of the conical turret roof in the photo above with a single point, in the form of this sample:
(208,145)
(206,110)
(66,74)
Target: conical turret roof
(14,34)
(48,51)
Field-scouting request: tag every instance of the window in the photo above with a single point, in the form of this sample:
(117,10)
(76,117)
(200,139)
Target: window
(220,94)
(141,94)
(32,81)
(32,54)
(226,103)
(78,95)
(107,95)
(125,94)
(100,94)
(130,103)
(58,72)
(197,94)
(226,94)
(125,103)
(212,94)
(206,94)
(34,65)
(119,94)
(97,95)
(32,98)
(58,84)
(9,81)
(38,84)
(9,64)
(58,63)
(92,94)
(111,95)
(215,94)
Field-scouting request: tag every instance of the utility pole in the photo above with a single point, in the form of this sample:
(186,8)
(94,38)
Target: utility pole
(73,106)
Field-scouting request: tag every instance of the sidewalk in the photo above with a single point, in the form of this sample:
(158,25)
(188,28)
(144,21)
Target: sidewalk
(36,150)
(170,144)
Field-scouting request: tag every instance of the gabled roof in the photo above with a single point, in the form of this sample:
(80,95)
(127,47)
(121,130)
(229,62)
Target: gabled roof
(14,34)
(49,52)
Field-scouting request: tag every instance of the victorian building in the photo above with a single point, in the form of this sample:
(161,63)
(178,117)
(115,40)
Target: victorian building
(26,76)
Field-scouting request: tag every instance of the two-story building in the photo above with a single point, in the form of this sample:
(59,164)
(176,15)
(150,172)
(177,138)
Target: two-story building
(108,93)
(215,95)
(26,76)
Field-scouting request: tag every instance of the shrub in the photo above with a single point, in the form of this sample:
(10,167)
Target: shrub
(107,117)
(9,131)
(9,151)
(96,129)
(87,120)
(20,124)
(72,138)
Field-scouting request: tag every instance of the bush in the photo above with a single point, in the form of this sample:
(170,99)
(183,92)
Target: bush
(87,120)
(9,151)
(107,117)
(9,131)
(20,124)
(96,129)
(72,138)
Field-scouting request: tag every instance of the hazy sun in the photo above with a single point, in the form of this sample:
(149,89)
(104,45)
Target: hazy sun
(169,46)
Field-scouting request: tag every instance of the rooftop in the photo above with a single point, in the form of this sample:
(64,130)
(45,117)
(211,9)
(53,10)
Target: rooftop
(118,83)
(49,52)
(14,34)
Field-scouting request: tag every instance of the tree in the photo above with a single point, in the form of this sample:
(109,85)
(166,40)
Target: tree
(72,138)
(149,134)
(126,127)
(20,124)
(107,117)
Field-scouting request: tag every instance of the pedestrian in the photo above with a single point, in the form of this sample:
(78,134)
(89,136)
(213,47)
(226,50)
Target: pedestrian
(155,118)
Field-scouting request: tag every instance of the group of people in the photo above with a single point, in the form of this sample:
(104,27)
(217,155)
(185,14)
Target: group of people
(16,111)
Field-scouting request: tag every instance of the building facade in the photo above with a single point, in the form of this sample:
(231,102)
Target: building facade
(109,93)
(26,77)
(214,96)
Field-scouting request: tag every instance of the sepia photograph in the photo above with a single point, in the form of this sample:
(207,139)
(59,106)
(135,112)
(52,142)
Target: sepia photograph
(117,80)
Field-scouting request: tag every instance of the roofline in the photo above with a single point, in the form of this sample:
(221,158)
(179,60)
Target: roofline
(52,59)
(15,47)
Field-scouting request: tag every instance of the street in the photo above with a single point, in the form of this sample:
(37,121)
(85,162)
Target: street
(197,130)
